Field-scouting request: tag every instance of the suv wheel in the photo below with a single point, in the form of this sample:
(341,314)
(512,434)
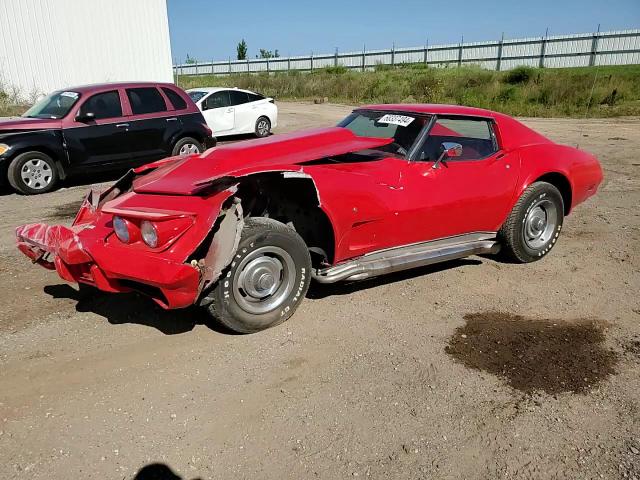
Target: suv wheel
(267,279)
(187,146)
(32,173)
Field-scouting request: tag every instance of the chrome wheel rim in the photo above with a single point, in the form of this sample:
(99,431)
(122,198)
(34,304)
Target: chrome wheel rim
(189,148)
(263,127)
(540,223)
(263,280)
(36,173)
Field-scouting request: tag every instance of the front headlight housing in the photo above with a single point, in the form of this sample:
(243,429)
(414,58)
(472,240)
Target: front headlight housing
(149,233)
(4,148)
(121,227)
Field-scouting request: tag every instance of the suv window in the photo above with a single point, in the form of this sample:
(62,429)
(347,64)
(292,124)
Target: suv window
(217,100)
(146,100)
(238,98)
(103,105)
(176,100)
(254,97)
(475,136)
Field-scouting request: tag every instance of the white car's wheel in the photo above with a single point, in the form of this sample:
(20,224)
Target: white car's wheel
(263,127)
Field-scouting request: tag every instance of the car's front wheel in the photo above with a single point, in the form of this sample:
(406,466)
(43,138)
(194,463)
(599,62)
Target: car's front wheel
(187,146)
(267,279)
(534,224)
(263,127)
(32,173)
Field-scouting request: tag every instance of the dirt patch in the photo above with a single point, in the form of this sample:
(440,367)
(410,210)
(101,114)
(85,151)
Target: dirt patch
(535,354)
(65,211)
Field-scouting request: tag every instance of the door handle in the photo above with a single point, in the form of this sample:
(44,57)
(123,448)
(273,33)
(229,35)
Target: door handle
(121,125)
(172,119)
(229,110)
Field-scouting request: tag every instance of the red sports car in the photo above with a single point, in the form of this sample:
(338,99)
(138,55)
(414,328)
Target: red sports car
(242,229)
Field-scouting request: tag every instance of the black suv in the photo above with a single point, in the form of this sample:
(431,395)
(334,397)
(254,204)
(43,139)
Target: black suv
(96,128)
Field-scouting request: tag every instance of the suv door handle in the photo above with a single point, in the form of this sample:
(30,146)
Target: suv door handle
(229,110)
(121,125)
(172,119)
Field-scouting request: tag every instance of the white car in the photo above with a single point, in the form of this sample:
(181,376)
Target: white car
(231,111)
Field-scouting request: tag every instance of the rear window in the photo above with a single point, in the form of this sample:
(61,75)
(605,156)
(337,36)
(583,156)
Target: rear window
(146,100)
(238,98)
(254,97)
(176,100)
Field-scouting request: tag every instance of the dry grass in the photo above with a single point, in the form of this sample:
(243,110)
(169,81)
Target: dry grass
(591,91)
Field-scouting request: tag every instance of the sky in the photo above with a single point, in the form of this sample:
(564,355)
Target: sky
(211,30)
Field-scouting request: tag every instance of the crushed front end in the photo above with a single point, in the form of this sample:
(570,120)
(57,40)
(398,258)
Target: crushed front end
(123,241)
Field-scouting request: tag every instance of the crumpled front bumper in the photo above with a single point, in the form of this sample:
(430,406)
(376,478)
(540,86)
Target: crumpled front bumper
(80,255)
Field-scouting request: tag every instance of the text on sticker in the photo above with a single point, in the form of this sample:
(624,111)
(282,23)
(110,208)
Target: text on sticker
(401,120)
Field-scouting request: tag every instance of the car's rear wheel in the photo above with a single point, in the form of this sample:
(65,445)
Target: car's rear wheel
(187,146)
(534,224)
(266,281)
(263,127)
(32,173)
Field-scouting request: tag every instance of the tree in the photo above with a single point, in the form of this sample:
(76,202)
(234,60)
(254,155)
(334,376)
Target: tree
(242,50)
(190,60)
(268,54)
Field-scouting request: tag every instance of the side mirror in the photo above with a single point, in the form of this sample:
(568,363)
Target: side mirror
(85,117)
(449,150)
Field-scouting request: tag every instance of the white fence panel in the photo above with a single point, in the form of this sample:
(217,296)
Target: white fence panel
(580,50)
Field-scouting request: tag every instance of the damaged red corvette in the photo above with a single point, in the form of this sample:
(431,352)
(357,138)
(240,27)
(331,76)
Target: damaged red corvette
(242,229)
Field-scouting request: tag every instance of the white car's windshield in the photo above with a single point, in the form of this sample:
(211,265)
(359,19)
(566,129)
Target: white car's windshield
(403,128)
(196,95)
(55,105)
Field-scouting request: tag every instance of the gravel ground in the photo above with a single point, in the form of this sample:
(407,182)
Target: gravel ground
(472,369)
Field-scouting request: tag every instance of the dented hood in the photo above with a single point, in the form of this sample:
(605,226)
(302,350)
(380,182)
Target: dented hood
(279,152)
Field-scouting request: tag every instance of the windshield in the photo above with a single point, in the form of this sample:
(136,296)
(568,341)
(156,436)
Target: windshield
(402,127)
(55,105)
(196,95)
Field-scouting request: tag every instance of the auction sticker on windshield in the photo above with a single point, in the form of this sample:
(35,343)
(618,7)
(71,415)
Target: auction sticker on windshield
(401,120)
(69,94)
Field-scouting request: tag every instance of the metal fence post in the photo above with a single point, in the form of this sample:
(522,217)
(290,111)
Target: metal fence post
(311,58)
(289,63)
(248,68)
(393,54)
(426,52)
(364,56)
(594,48)
(543,48)
(460,52)
(229,66)
(267,65)
(499,61)
(335,58)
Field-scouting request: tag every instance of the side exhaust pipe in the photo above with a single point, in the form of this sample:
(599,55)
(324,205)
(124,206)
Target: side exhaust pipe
(409,256)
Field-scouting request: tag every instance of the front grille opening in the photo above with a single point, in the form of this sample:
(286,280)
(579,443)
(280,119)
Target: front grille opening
(148,290)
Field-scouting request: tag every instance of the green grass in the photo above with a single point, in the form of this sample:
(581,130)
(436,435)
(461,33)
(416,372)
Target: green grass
(524,91)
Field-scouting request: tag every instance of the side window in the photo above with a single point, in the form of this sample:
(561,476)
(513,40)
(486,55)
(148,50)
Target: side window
(176,100)
(238,98)
(103,105)
(254,97)
(475,136)
(146,100)
(217,100)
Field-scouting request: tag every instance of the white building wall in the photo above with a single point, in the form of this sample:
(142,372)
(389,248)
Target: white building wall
(50,44)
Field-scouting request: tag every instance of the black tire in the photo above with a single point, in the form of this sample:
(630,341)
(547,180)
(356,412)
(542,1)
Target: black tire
(263,127)
(263,244)
(539,210)
(185,143)
(32,173)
